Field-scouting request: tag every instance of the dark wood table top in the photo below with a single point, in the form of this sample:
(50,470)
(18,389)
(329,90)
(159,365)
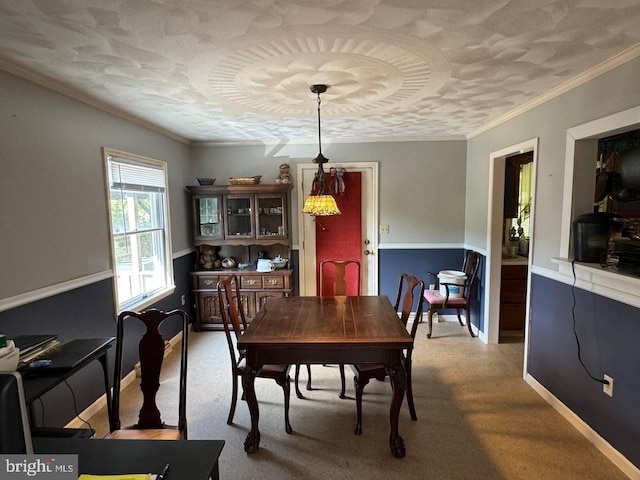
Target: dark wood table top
(316,322)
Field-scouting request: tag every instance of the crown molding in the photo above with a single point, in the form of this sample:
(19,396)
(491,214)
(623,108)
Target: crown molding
(604,67)
(61,88)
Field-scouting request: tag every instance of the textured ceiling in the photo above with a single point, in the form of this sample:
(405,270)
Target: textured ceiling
(234,70)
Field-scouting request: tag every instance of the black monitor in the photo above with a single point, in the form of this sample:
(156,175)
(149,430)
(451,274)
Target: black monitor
(15,434)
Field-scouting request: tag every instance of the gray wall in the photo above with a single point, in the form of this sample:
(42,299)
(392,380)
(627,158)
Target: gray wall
(422,184)
(53,220)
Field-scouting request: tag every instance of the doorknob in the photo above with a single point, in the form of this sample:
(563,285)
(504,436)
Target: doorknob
(367,242)
(367,252)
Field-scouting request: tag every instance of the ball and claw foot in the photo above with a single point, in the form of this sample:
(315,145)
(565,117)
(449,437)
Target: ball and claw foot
(397,446)
(252,442)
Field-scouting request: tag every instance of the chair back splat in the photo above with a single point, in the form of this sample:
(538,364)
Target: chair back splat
(436,301)
(151,348)
(338,271)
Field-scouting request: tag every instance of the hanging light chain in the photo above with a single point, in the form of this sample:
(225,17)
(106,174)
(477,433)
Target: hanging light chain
(319,136)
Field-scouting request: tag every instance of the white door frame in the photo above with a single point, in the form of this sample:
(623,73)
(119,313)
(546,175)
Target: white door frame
(306,226)
(494,241)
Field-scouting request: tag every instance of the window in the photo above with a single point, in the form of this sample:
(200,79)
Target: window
(140,235)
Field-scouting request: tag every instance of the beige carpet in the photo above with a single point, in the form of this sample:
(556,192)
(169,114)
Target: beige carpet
(477,419)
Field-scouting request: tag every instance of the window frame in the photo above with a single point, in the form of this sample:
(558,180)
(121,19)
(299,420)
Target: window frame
(145,299)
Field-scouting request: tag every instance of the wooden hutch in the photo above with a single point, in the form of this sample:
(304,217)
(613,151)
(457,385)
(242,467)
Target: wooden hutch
(239,222)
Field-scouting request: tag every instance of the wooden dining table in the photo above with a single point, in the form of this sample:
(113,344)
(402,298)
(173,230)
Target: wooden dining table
(317,330)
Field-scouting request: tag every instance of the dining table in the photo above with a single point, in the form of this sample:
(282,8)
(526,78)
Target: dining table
(326,330)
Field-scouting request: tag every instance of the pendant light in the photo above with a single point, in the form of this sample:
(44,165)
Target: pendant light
(320,202)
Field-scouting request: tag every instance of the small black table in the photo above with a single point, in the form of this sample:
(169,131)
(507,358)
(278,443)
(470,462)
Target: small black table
(77,354)
(187,459)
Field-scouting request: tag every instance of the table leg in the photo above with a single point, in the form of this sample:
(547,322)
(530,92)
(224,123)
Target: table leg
(103,361)
(398,377)
(252,442)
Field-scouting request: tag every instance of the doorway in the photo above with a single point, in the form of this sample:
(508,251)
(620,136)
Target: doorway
(369,227)
(495,229)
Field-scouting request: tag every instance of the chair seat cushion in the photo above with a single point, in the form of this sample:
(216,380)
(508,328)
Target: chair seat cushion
(265,368)
(434,298)
(368,368)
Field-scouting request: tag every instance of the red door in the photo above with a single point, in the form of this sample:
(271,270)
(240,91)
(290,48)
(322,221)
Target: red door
(340,237)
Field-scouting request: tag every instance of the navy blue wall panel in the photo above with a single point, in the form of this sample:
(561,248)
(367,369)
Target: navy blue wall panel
(419,262)
(83,313)
(609,336)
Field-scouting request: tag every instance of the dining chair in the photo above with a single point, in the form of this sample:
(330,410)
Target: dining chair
(410,291)
(437,301)
(151,350)
(334,282)
(235,323)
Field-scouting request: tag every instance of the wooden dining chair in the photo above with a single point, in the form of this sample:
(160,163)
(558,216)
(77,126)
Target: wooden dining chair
(436,301)
(410,291)
(151,349)
(334,282)
(235,323)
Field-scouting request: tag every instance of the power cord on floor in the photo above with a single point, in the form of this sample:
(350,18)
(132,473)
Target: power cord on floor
(75,405)
(575,333)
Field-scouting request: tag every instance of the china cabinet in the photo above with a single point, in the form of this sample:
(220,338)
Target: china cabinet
(242,222)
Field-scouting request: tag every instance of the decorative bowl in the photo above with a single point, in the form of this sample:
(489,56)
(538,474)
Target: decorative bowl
(228,262)
(245,180)
(280,263)
(206,181)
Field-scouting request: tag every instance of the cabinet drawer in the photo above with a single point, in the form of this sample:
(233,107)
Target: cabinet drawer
(208,282)
(512,316)
(514,271)
(250,282)
(514,291)
(273,281)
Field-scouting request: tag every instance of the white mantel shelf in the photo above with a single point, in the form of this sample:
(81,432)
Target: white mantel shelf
(594,278)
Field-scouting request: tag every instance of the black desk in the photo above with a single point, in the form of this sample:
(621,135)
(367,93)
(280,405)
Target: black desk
(188,459)
(38,381)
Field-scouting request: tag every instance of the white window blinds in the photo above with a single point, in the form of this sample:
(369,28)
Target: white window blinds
(126,174)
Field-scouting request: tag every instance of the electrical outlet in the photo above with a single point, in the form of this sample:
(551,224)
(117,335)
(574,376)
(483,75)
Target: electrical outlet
(183,299)
(432,286)
(608,389)
(384,228)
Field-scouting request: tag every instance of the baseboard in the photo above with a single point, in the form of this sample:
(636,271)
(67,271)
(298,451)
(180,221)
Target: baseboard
(127,380)
(619,460)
